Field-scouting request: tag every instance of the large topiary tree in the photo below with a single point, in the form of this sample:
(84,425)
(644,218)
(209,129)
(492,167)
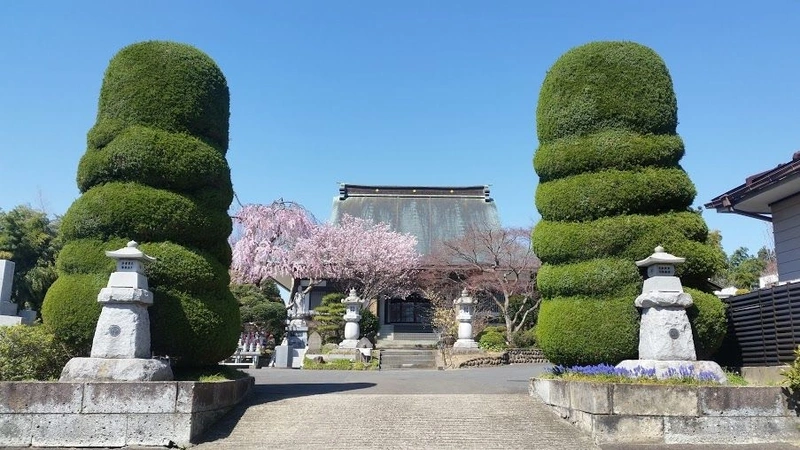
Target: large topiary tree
(610,191)
(155,172)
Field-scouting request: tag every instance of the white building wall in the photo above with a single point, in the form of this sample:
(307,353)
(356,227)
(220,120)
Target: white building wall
(786,228)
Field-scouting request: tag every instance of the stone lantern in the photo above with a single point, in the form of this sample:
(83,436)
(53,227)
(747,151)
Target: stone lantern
(351,317)
(665,333)
(121,345)
(666,343)
(466,307)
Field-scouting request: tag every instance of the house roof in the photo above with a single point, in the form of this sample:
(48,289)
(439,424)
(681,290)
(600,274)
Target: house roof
(759,191)
(432,214)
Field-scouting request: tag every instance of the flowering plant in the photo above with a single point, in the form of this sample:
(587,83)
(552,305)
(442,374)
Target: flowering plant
(606,372)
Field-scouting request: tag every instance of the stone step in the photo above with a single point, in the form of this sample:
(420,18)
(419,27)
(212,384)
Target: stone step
(408,359)
(414,337)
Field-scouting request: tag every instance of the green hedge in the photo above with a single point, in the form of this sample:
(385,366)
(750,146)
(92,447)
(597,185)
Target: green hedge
(87,256)
(157,158)
(71,310)
(184,269)
(602,276)
(167,85)
(709,323)
(607,149)
(103,132)
(144,214)
(591,196)
(194,330)
(602,85)
(629,237)
(586,330)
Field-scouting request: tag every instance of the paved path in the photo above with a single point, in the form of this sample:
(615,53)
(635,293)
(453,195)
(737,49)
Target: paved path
(405,409)
(464,409)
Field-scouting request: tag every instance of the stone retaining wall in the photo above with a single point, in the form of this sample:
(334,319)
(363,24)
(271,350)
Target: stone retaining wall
(525,356)
(672,414)
(510,356)
(113,414)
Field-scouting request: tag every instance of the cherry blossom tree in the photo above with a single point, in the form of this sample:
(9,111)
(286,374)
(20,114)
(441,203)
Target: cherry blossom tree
(495,263)
(278,240)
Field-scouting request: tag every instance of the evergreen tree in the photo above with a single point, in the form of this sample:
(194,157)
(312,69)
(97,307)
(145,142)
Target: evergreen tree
(610,190)
(155,172)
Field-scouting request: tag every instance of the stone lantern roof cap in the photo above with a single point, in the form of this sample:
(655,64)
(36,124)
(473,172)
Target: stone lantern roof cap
(464,299)
(352,298)
(130,251)
(660,257)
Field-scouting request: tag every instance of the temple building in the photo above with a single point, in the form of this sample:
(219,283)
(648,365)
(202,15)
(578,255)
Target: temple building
(432,215)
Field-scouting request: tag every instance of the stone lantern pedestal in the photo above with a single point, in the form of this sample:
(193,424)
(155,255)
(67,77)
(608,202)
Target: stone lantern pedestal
(666,343)
(466,306)
(121,345)
(351,317)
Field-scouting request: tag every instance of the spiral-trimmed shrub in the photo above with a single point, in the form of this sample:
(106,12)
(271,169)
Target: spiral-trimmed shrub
(606,85)
(155,172)
(618,149)
(611,190)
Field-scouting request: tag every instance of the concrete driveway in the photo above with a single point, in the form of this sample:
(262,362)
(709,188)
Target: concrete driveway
(486,408)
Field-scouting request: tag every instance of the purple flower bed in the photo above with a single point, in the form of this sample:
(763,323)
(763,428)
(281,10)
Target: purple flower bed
(685,373)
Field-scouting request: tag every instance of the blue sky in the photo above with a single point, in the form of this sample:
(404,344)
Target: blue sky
(400,93)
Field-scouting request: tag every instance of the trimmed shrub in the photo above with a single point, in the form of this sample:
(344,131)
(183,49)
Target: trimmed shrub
(593,277)
(155,172)
(144,214)
(183,268)
(194,327)
(612,191)
(620,236)
(606,85)
(524,338)
(71,310)
(588,330)
(591,196)
(607,149)
(87,256)
(178,162)
(30,353)
(369,325)
(329,318)
(709,323)
(170,86)
(492,341)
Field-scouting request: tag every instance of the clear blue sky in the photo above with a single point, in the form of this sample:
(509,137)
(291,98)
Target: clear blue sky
(400,93)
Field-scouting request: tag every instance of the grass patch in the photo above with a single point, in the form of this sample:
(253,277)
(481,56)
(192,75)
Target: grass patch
(341,364)
(208,374)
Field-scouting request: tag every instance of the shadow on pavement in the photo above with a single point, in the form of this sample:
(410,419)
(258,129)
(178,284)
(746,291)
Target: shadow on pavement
(264,393)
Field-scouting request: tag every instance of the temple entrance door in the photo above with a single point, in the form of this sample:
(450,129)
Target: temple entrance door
(413,311)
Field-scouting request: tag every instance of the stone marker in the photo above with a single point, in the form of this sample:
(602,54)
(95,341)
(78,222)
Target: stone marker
(364,347)
(665,335)
(314,342)
(8,310)
(121,345)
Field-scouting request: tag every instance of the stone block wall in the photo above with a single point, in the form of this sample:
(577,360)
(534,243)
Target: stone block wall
(510,356)
(113,414)
(672,414)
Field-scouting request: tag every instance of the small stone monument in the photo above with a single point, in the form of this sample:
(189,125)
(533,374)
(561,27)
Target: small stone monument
(314,343)
(351,317)
(364,349)
(665,335)
(8,309)
(465,305)
(121,345)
